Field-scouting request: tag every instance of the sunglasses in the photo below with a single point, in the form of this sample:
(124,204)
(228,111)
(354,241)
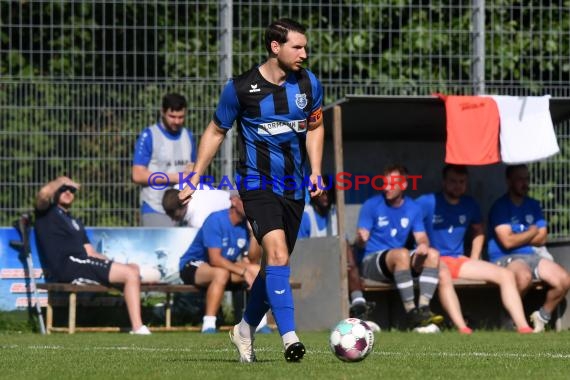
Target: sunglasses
(65,188)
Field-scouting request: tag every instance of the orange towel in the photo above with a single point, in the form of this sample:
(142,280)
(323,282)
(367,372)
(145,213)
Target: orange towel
(472,130)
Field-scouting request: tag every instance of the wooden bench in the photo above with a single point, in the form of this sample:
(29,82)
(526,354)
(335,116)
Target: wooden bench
(377,286)
(72,291)
(483,298)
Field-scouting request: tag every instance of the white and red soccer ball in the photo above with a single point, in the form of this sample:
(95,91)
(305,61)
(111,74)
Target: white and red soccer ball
(351,340)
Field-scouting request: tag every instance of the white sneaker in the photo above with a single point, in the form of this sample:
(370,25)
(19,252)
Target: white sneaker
(143,330)
(537,322)
(243,345)
(429,329)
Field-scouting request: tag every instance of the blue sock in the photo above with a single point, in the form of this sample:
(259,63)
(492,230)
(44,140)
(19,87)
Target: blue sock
(257,305)
(280,297)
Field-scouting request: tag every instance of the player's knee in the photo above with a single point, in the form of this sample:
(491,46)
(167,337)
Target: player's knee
(433,255)
(401,256)
(221,276)
(506,277)
(524,279)
(444,276)
(566,281)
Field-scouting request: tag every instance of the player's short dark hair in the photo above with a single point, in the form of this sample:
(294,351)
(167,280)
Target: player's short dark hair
(170,202)
(459,169)
(174,102)
(279,29)
(396,167)
(512,168)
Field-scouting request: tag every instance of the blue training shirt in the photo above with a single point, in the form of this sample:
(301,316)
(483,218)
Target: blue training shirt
(447,224)
(504,211)
(144,151)
(305,228)
(389,226)
(217,232)
(272,125)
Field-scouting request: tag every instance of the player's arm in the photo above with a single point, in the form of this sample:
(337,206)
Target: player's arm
(477,241)
(217,260)
(255,250)
(422,242)
(141,175)
(314,145)
(540,239)
(510,240)
(44,197)
(209,144)
(91,252)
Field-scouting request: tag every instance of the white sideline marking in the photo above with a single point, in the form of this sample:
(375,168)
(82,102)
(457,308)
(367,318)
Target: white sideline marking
(319,352)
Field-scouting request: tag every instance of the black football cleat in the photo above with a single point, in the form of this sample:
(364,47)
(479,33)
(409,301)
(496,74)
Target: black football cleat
(295,352)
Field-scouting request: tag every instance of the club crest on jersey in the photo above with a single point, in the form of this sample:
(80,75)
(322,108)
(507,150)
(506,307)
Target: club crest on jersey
(75,224)
(404,222)
(301,100)
(462,219)
(529,218)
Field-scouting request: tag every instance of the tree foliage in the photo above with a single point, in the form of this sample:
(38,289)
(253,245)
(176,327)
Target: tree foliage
(79,80)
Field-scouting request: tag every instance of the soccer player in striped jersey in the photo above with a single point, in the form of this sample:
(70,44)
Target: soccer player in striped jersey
(278,109)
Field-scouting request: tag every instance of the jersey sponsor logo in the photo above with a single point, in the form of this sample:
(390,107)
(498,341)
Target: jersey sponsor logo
(254,88)
(383,221)
(437,219)
(280,127)
(301,100)
(74,224)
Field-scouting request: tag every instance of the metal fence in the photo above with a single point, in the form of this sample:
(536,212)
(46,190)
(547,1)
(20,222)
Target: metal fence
(80,80)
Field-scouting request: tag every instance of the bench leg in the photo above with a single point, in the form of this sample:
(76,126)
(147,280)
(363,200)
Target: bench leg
(72,311)
(168,310)
(49,314)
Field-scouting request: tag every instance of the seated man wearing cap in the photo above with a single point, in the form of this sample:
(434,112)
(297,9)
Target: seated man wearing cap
(67,255)
(211,261)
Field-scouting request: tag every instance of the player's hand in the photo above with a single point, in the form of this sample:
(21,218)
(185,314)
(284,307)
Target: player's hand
(66,181)
(315,189)
(422,249)
(248,278)
(185,195)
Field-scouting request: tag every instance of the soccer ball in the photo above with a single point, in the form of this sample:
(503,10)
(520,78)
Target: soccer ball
(351,340)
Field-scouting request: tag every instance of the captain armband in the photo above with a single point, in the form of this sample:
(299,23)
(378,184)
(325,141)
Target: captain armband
(316,115)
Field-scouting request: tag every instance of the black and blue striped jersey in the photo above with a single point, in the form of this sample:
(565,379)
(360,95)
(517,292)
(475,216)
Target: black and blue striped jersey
(272,124)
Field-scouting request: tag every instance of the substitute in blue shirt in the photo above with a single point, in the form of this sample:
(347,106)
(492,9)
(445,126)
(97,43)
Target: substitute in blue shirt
(517,230)
(449,215)
(211,261)
(163,152)
(384,224)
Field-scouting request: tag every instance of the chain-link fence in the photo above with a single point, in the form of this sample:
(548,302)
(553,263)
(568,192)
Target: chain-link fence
(80,80)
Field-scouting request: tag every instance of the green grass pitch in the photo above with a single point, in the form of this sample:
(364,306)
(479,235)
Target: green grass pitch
(396,355)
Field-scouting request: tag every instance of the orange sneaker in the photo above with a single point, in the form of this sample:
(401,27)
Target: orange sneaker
(525,330)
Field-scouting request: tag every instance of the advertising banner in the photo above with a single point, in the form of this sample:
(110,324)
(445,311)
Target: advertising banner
(156,251)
